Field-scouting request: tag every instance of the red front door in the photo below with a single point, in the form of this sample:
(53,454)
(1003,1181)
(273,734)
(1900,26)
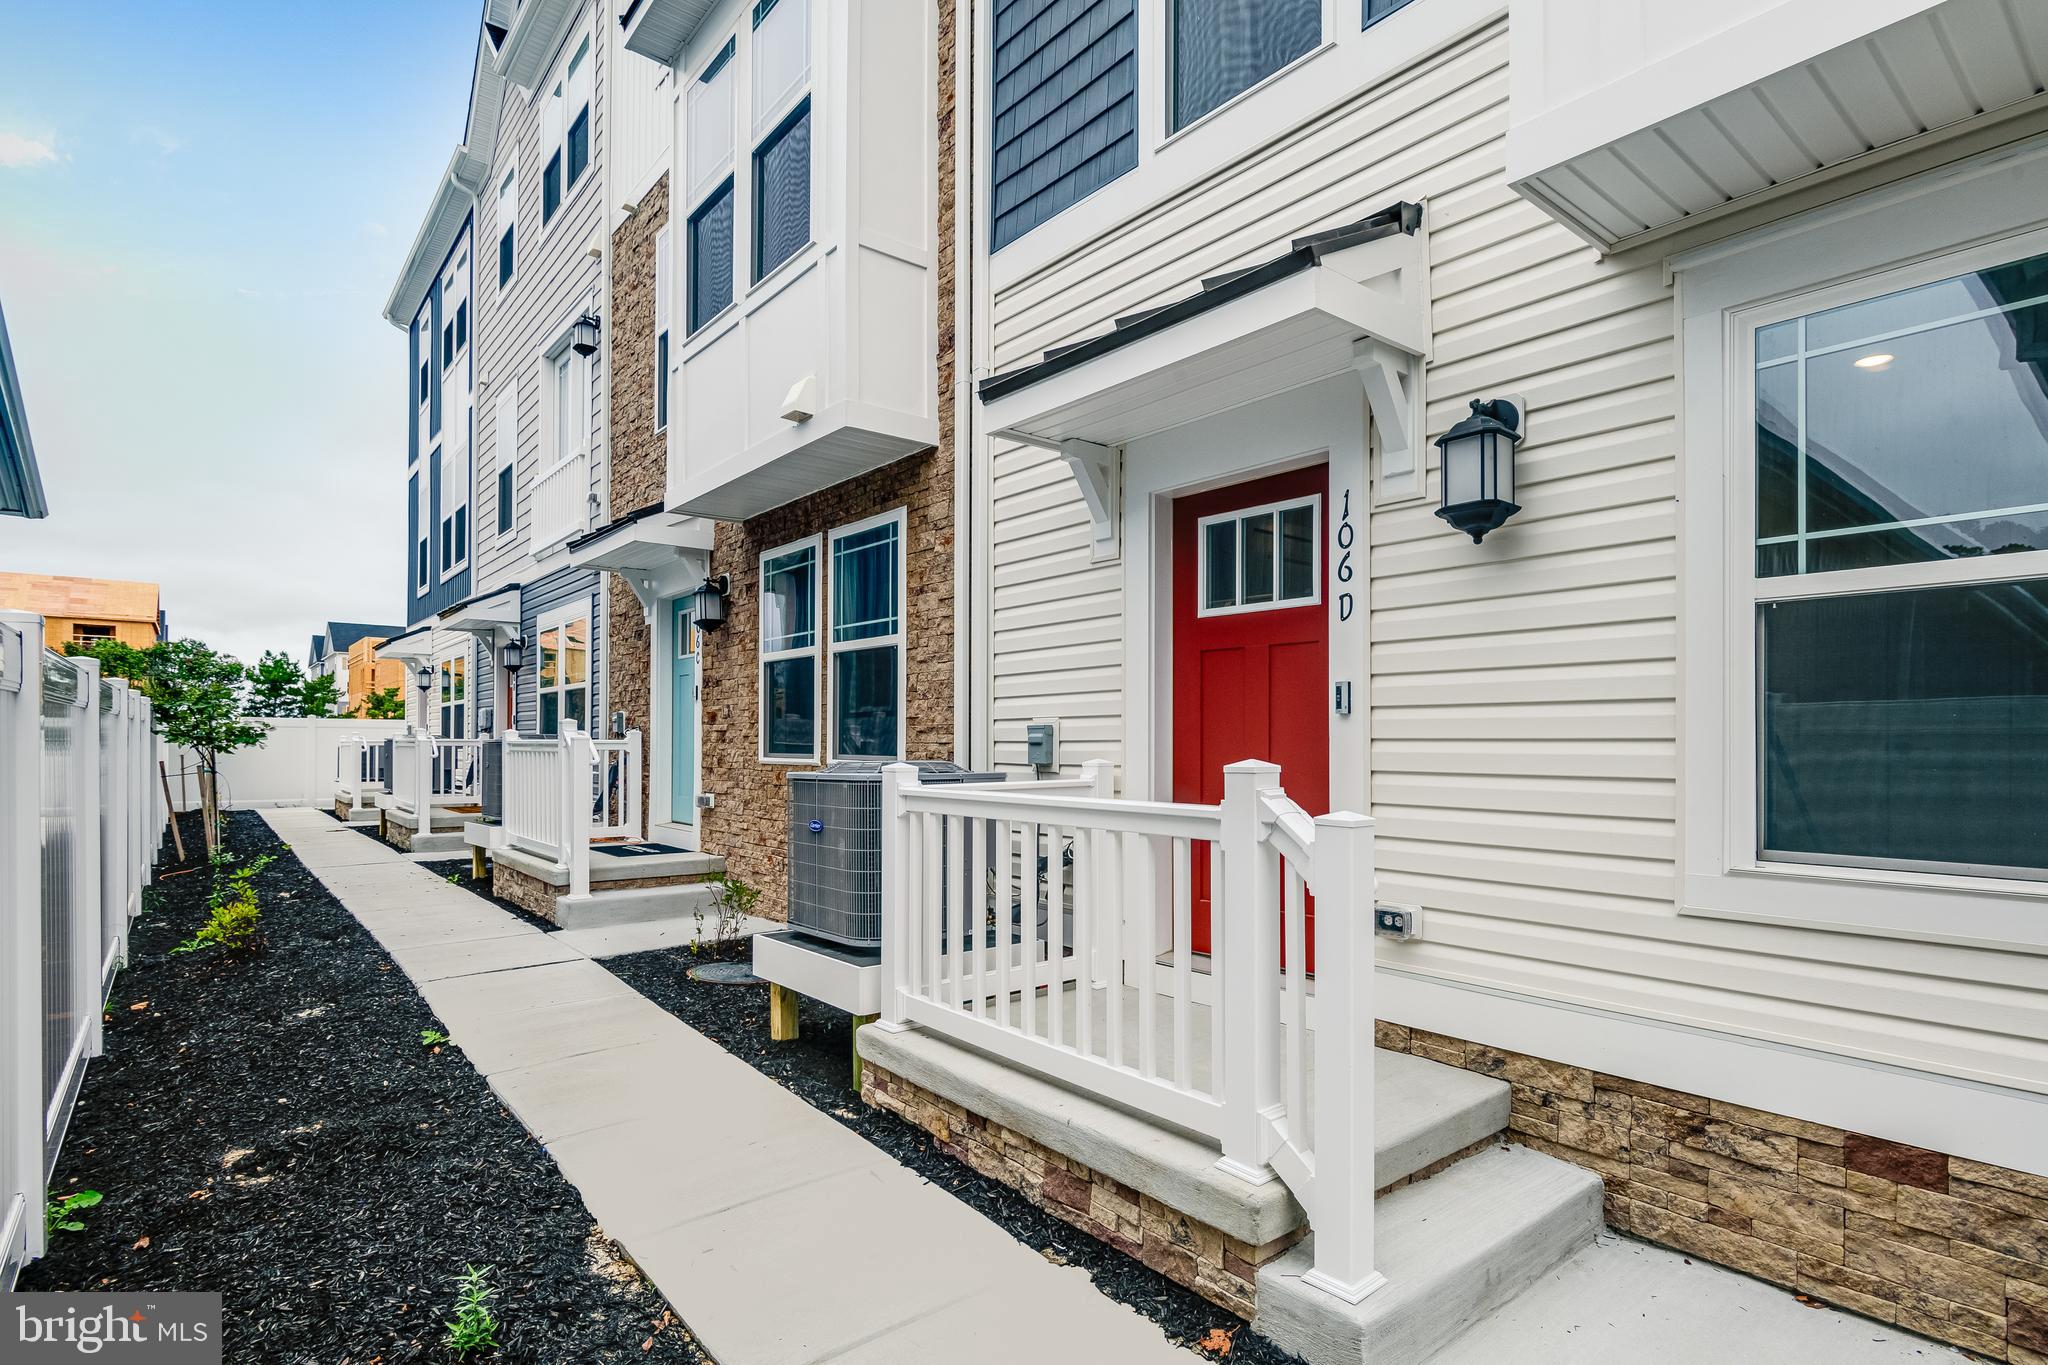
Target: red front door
(1251,645)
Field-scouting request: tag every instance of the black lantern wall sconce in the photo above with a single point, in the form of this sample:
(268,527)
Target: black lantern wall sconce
(707,604)
(1479,467)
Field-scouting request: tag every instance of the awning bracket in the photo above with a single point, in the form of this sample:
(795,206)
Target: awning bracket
(1098,470)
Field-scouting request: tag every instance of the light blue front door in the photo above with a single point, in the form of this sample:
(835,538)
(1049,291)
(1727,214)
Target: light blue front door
(682,760)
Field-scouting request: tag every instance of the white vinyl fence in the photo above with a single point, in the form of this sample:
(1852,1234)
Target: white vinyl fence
(296,764)
(1054,927)
(81,817)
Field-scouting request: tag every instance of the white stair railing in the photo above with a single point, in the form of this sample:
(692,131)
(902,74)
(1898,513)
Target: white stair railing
(615,809)
(458,764)
(1054,927)
(549,785)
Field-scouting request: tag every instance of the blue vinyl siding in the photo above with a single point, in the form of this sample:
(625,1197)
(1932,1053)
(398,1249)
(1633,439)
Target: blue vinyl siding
(1066,106)
(537,600)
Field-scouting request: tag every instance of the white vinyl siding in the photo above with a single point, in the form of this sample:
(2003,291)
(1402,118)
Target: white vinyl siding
(1523,694)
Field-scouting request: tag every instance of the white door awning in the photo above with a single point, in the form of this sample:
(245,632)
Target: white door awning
(1353,298)
(493,613)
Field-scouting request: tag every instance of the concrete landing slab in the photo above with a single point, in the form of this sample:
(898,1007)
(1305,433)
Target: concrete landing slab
(1625,1300)
(437,962)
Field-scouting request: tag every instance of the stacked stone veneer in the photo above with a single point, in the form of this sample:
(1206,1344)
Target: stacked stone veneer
(1953,1249)
(749,824)
(639,455)
(1214,1264)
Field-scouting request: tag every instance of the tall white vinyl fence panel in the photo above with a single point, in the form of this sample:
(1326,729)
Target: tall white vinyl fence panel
(1056,928)
(296,764)
(80,819)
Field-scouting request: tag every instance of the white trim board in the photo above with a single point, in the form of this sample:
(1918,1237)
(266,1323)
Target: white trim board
(1961,1118)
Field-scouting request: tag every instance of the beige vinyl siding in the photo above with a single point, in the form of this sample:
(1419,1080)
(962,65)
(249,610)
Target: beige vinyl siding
(1524,693)
(555,280)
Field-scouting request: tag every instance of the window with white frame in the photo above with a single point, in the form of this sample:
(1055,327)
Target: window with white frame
(455,504)
(709,166)
(422,524)
(505,450)
(1261,558)
(452,672)
(1222,48)
(568,403)
(789,652)
(867,638)
(781,168)
(664,276)
(565,130)
(563,669)
(508,226)
(1899,575)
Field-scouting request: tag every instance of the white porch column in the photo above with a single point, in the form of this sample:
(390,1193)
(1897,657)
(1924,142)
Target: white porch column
(1344,886)
(1246,911)
(579,788)
(899,875)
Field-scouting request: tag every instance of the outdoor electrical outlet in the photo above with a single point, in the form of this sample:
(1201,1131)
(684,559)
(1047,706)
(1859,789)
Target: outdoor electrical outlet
(1402,922)
(705,801)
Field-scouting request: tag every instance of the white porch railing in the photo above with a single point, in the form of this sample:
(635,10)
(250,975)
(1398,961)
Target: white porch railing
(561,502)
(359,770)
(1054,927)
(563,792)
(426,770)
(80,819)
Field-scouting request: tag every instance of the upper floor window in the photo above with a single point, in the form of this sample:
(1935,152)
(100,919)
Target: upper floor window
(708,167)
(782,129)
(867,638)
(565,131)
(454,506)
(789,652)
(508,226)
(1222,48)
(423,347)
(664,277)
(422,520)
(505,451)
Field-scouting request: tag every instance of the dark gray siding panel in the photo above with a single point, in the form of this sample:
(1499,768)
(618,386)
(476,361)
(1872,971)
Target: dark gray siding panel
(537,600)
(1066,106)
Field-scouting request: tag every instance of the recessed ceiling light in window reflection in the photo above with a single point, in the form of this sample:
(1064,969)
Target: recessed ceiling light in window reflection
(1882,360)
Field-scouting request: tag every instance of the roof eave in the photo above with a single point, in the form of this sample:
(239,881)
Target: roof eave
(454,194)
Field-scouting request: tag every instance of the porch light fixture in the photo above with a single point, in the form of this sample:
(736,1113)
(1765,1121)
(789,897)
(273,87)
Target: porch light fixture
(513,655)
(707,604)
(1479,467)
(423,677)
(583,336)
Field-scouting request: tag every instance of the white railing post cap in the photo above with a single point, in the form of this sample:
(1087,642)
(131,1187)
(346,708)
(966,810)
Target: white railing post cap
(1345,819)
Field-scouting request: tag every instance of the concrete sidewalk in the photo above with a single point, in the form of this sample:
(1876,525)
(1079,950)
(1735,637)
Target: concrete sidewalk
(781,1237)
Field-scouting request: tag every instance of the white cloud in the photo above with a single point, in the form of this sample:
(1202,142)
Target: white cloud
(17,152)
(149,135)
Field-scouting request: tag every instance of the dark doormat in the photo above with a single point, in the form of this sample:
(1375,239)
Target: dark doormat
(635,850)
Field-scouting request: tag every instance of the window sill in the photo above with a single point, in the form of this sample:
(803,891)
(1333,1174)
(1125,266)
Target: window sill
(1982,912)
(789,760)
(771,284)
(712,328)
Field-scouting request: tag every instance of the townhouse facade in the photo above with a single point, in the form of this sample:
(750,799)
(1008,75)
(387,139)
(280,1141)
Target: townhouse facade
(1694,777)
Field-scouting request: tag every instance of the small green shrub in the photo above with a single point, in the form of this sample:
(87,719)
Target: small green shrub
(432,1037)
(474,1327)
(734,901)
(58,1213)
(234,915)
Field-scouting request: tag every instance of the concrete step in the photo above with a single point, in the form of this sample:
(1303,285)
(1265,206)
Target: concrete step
(1453,1249)
(637,905)
(1424,1111)
(440,841)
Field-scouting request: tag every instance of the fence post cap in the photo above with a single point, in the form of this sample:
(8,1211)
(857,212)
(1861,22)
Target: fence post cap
(1344,819)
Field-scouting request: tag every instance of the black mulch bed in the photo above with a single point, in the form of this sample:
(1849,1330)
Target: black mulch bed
(455,871)
(272,1128)
(818,1068)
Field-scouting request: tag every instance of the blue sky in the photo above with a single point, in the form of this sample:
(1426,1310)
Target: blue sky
(202,209)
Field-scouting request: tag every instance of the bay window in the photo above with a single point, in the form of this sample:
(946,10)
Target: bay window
(789,652)
(1865,579)
(867,638)
(563,669)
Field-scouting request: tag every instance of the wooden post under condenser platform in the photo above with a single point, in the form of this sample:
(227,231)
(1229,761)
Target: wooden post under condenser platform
(476,862)
(858,1020)
(781,1013)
